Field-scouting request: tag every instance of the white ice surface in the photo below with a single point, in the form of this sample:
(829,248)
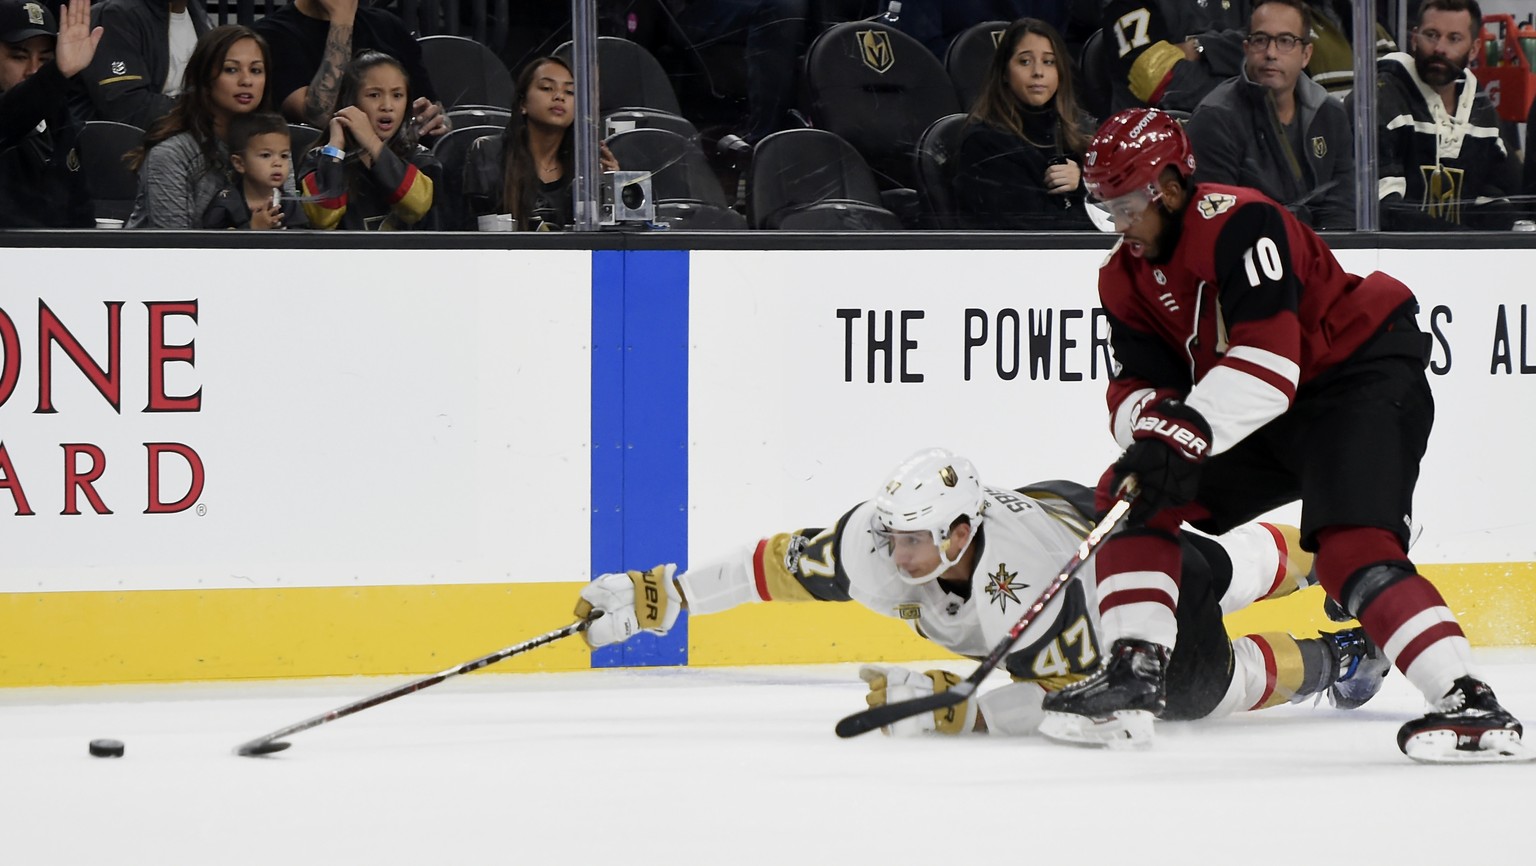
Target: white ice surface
(721,766)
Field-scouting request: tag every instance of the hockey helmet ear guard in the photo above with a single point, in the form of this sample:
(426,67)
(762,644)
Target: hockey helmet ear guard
(921,501)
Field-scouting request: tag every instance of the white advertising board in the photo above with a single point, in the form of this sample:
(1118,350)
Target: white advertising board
(321,417)
(788,427)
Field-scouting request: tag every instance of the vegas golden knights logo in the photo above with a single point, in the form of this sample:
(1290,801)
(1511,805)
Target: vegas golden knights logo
(34,14)
(1442,191)
(1319,147)
(875,48)
(997,38)
(949,476)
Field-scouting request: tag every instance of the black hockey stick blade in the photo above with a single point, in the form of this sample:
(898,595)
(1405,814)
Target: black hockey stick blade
(885,714)
(262,748)
(878,717)
(274,742)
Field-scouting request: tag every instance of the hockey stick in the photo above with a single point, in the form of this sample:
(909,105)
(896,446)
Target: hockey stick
(884,714)
(272,742)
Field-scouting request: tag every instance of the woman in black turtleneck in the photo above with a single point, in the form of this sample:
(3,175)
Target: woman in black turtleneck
(1019,164)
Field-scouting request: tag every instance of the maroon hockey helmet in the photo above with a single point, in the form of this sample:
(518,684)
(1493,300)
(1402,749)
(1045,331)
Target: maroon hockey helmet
(1130,151)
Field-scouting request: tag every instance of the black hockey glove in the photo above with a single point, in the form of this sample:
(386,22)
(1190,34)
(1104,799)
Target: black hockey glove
(1171,441)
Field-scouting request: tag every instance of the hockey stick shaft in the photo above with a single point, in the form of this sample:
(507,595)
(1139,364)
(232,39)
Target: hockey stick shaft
(264,744)
(885,714)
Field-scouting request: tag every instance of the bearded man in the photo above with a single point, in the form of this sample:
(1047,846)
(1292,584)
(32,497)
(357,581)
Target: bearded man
(1442,163)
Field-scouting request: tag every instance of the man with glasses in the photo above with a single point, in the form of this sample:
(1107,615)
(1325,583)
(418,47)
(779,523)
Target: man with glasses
(1442,164)
(1274,129)
(1253,371)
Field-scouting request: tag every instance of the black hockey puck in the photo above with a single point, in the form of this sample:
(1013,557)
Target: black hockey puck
(107,748)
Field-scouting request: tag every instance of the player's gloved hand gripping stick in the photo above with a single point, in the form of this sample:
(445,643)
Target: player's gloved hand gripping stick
(885,714)
(273,742)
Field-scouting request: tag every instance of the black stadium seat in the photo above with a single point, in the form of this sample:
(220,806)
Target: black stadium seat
(628,77)
(810,179)
(935,179)
(878,89)
(686,192)
(968,57)
(451,150)
(464,72)
(112,184)
(1094,87)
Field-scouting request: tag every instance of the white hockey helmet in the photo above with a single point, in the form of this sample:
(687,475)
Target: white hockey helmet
(928,492)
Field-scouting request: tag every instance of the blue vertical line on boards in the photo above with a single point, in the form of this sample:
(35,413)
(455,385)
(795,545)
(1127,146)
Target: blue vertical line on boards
(653,491)
(607,438)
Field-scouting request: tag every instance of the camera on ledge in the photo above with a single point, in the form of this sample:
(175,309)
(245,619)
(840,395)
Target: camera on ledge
(625,197)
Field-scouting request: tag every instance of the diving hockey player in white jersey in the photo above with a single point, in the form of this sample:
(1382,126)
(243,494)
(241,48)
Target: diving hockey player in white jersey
(959,562)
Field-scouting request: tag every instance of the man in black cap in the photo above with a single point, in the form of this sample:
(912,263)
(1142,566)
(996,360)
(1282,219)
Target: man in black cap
(41,185)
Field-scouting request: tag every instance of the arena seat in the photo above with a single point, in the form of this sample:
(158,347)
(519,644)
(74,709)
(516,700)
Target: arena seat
(464,72)
(1094,90)
(969,55)
(935,181)
(102,144)
(451,150)
(878,89)
(812,170)
(628,77)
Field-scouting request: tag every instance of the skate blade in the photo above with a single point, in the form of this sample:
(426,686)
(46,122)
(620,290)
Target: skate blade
(1125,729)
(1493,747)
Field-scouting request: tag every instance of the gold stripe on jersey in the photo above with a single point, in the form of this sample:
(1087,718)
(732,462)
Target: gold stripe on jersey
(1287,678)
(1152,67)
(1052,684)
(1062,509)
(1298,562)
(773,573)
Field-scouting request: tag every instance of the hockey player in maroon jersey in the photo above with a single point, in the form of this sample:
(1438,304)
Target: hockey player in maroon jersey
(1252,371)
(959,562)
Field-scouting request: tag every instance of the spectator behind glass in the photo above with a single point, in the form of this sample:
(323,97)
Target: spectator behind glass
(261,159)
(1169,54)
(41,185)
(1333,52)
(1277,131)
(527,170)
(1441,161)
(1020,156)
(936,23)
(371,174)
(137,72)
(312,42)
(185,162)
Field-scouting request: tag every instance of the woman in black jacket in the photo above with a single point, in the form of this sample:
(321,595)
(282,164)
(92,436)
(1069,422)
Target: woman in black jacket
(527,170)
(1019,164)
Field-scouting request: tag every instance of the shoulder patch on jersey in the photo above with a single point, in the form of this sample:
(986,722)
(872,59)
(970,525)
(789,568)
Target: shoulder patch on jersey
(1002,586)
(1214,204)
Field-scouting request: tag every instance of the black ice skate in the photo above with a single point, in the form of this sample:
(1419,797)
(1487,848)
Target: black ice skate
(1362,667)
(1115,706)
(1466,726)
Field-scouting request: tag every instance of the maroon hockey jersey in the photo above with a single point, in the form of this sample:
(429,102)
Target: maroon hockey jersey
(1250,305)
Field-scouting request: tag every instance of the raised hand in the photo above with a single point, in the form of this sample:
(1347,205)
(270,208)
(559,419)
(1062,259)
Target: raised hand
(429,117)
(361,129)
(76,43)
